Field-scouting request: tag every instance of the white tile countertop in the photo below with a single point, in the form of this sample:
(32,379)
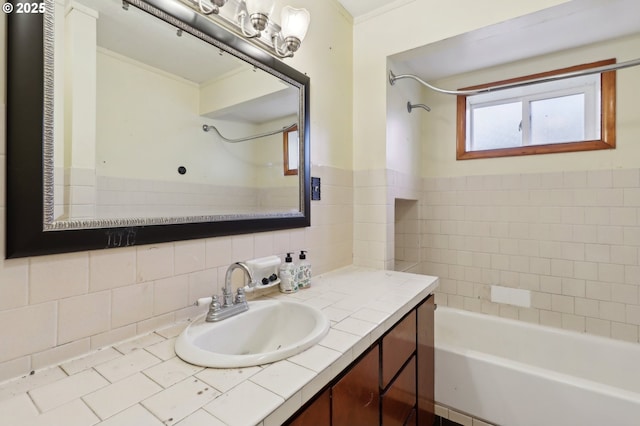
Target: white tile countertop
(141,382)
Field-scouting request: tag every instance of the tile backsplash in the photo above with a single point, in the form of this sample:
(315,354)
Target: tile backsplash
(81,194)
(60,306)
(572,239)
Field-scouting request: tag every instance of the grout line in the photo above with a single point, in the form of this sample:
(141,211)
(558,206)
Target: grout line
(455,410)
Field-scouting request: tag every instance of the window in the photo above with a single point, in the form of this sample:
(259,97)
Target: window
(574,114)
(291,150)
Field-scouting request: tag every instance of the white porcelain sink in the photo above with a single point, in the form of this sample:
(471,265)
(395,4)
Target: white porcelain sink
(269,331)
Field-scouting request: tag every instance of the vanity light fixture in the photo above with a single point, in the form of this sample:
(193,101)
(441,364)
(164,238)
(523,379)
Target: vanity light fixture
(253,20)
(212,6)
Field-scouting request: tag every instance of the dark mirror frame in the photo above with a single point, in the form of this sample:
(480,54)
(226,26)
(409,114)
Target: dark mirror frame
(25,234)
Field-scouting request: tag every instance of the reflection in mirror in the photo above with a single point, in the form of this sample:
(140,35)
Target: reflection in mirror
(132,93)
(106,103)
(290,144)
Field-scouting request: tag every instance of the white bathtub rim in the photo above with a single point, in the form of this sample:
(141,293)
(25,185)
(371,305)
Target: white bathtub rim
(532,326)
(545,373)
(565,351)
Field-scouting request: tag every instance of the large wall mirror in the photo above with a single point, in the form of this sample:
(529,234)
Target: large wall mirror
(142,121)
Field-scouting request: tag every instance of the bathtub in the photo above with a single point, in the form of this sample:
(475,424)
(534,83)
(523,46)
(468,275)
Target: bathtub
(513,373)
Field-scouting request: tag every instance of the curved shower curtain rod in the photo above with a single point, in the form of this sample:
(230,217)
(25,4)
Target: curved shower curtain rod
(635,62)
(206,128)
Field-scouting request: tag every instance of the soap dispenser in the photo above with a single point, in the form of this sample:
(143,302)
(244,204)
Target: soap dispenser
(303,275)
(288,275)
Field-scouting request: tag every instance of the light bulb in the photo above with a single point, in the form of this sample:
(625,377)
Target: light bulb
(295,22)
(263,7)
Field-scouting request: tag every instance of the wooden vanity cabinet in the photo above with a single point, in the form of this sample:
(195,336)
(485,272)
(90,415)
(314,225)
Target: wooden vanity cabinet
(316,414)
(399,400)
(397,346)
(355,398)
(391,385)
(426,362)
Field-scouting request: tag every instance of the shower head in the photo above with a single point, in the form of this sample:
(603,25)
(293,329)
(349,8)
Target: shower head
(411,106)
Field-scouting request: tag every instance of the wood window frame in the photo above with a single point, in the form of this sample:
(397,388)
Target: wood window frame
(288,171)
(607,119)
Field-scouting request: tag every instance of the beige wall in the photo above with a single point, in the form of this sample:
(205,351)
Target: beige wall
(56,307)
(384,160)
(326,57)
(414,24)
(439,133)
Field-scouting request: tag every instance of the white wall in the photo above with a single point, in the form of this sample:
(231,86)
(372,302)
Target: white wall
(326,57)
(404,141)
(149,125)
(60,306)
(411,25)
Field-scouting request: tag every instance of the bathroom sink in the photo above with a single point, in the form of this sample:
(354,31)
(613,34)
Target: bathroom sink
(269,331)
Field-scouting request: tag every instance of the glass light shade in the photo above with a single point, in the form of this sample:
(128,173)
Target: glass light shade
(295,22)
(264,7)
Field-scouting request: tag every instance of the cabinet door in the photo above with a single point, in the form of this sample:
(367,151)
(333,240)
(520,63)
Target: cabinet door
(397,346)
(399,400)
(426,409)
(355,398)
(317,414)
(413,419)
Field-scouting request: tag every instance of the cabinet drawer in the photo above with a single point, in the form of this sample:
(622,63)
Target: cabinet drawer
(397,346)
(317,414)
(399,401)
(413,419)
(355,399)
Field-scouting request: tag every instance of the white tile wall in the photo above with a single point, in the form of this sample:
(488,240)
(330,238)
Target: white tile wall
(140,381)
(62,306)
(120,196)
(375,192)
(406,234)
(73,312)
(572,239)
(59,276)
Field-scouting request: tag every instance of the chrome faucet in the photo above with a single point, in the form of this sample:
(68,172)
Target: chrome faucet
(230,306)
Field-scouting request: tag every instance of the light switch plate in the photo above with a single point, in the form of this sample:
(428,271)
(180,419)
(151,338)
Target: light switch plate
(315,188)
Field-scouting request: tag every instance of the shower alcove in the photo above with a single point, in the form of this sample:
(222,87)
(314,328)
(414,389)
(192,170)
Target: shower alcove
(407,236)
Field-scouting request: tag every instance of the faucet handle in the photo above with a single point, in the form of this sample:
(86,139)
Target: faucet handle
(215,304)
(240,297)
